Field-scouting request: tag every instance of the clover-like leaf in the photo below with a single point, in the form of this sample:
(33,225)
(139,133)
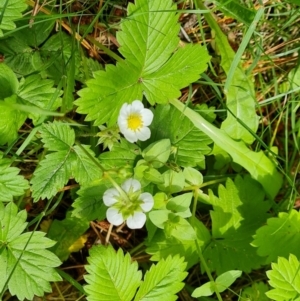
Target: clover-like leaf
(26,265)
(66,161)
(154,65)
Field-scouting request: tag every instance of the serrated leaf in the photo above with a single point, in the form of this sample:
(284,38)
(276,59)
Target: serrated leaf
(114,272)
(258,164)
(89,204)
(187,152)
(256,292)
(10,11)
(285,279)
(65,162)
(279,237)
(152,67)
(11,183)
(163,280)
(238,213)
(27,253)
(66,232)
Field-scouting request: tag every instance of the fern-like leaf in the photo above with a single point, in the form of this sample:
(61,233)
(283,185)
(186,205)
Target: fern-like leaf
(66,161)
(163,280)
(152,67)
(112,276)
(285,279)
(24,256)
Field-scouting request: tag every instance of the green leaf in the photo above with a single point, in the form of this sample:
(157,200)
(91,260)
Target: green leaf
(237,11)
(238,213)
(258,164)
(26,252)
(180,203)
(154,66)
(279,237)
(187,152)
(285,279)
(157,153)
(89,204)
(8,81)
(10,10)
(161,246)
(163,280)
(256,292)
(173,181)
(66,232)
(64,162)
(114,272)
(192,176)
(207,289)
(224,281)
(11,183)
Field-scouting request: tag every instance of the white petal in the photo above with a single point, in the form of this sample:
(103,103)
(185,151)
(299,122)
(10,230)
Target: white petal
(123,110)
(136,221)
(147,116)
(131,183)
(148,201)
(143,134)
(129,134)
(137,106)
(109,196)
(114,217)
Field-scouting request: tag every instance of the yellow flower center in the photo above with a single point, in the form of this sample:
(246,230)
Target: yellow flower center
(134,122)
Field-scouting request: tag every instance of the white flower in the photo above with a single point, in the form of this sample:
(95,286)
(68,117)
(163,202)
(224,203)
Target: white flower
(129,207)
(134,120)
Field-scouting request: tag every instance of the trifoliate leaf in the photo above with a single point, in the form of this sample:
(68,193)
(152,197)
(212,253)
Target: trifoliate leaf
(11,183)
(111,275)
(10,10)
(34,265)
(279,237)
(66,233)
(285,279)
(65,162)
(238,213)
(183,137)
(152,67)
(163,280)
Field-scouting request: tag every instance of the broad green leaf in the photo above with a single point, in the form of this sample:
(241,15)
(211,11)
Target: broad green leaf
(238,213)
(163,280)
(157,153)
(279,237)
(26,252)
(224,281)
(258,164)
(66,161)
(180,203)
(207,289)
(161,246)
(111,275)
(11,183)
(10,10)
(89,204)
(8,82)
(173,181)
(237,10)
(66,232)
(190,145)
(192,176)
(285,279)
(154,65)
